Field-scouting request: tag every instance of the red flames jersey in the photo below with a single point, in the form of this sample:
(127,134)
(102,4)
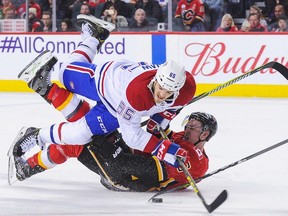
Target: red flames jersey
(196,6)
(197,161)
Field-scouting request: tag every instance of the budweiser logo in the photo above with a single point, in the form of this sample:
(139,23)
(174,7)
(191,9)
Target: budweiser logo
(211,59)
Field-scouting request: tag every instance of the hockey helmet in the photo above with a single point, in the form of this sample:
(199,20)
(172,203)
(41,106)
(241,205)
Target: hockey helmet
(171,76)
(208,121)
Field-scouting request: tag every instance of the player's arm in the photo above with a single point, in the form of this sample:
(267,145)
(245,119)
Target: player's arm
(161,120)
(197,164)
(137,138)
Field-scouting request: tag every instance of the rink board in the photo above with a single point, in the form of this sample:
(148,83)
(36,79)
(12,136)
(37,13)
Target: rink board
(212,58)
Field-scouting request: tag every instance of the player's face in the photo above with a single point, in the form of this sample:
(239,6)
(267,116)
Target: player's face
(193,130)
(160,94)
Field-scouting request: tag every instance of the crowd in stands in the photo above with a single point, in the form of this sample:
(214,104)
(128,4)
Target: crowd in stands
(145,15)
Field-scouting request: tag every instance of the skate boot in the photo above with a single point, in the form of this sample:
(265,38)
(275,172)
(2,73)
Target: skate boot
(24,170)
(26,139)
(97,28)
(38,72)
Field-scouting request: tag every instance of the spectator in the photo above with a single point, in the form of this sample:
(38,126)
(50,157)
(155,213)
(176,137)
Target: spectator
(268,10)
(79,7)
(93,4)
(6,4)
(235,7)
(140,22)
(283,24)
(152,9)
(10,13)
(227,24)
(215,13)
(61,5)
(66,26)
(46,5)
(253,9)
(111,15)
(35,24)
(255,25)
(273,22)
(122,8)
(21,10)
(84,9)
(190,15)
(47,21)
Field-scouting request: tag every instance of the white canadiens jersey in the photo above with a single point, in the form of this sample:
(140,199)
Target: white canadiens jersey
(123,88)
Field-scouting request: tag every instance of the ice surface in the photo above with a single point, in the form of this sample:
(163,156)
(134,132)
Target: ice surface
(246,125)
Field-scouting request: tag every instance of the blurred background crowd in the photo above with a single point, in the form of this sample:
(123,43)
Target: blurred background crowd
(153,15)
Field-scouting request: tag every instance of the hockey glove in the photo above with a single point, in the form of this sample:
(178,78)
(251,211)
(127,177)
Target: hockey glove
(160,120)
(168,151)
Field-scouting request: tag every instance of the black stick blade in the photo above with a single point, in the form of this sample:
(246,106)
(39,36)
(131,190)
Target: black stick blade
(281,69)
(217,202)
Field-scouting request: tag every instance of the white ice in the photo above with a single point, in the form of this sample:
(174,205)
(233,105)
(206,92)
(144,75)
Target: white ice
(246,126)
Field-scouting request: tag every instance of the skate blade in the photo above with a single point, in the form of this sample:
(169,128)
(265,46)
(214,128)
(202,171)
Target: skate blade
(93,20)
(29,72)
(21,132)
(11,171)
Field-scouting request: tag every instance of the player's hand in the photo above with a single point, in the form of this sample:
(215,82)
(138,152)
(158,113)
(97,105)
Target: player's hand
(168,151)
(182,154)
(160,120)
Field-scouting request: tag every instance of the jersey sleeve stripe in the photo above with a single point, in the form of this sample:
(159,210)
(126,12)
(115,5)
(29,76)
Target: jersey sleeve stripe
(159,169)
(101,79)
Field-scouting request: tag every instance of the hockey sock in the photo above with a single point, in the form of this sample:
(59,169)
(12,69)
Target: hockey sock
(67,103)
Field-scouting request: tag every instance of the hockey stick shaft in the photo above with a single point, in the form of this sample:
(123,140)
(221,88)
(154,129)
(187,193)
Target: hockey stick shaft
(243,160)
(275,65)
(216,203)
(104,172)
(224,167)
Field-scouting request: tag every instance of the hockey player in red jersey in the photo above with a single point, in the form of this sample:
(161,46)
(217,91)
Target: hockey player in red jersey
(190,14)
(123,171)
(125,91)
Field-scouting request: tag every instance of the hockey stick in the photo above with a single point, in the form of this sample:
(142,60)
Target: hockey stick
(275,65)
(216,203)
(243,160)
(169,190)
(104,172)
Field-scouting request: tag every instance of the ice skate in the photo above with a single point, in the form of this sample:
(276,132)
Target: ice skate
(25,140)
(97,28)
(38,72)
(23,170)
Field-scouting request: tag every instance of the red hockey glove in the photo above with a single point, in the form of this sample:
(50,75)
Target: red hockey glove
(168,151)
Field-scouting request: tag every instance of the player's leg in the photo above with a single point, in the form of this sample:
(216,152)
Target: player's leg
(38,72)
(48,158)
(93,32)
(97,121)
(37,75)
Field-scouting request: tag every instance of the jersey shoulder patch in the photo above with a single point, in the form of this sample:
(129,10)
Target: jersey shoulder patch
(187,92)
(138,94)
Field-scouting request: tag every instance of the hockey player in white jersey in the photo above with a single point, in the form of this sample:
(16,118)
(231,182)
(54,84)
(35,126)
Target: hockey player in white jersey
(125,91)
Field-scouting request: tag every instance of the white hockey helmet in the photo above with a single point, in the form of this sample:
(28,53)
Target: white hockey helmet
(171,76)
